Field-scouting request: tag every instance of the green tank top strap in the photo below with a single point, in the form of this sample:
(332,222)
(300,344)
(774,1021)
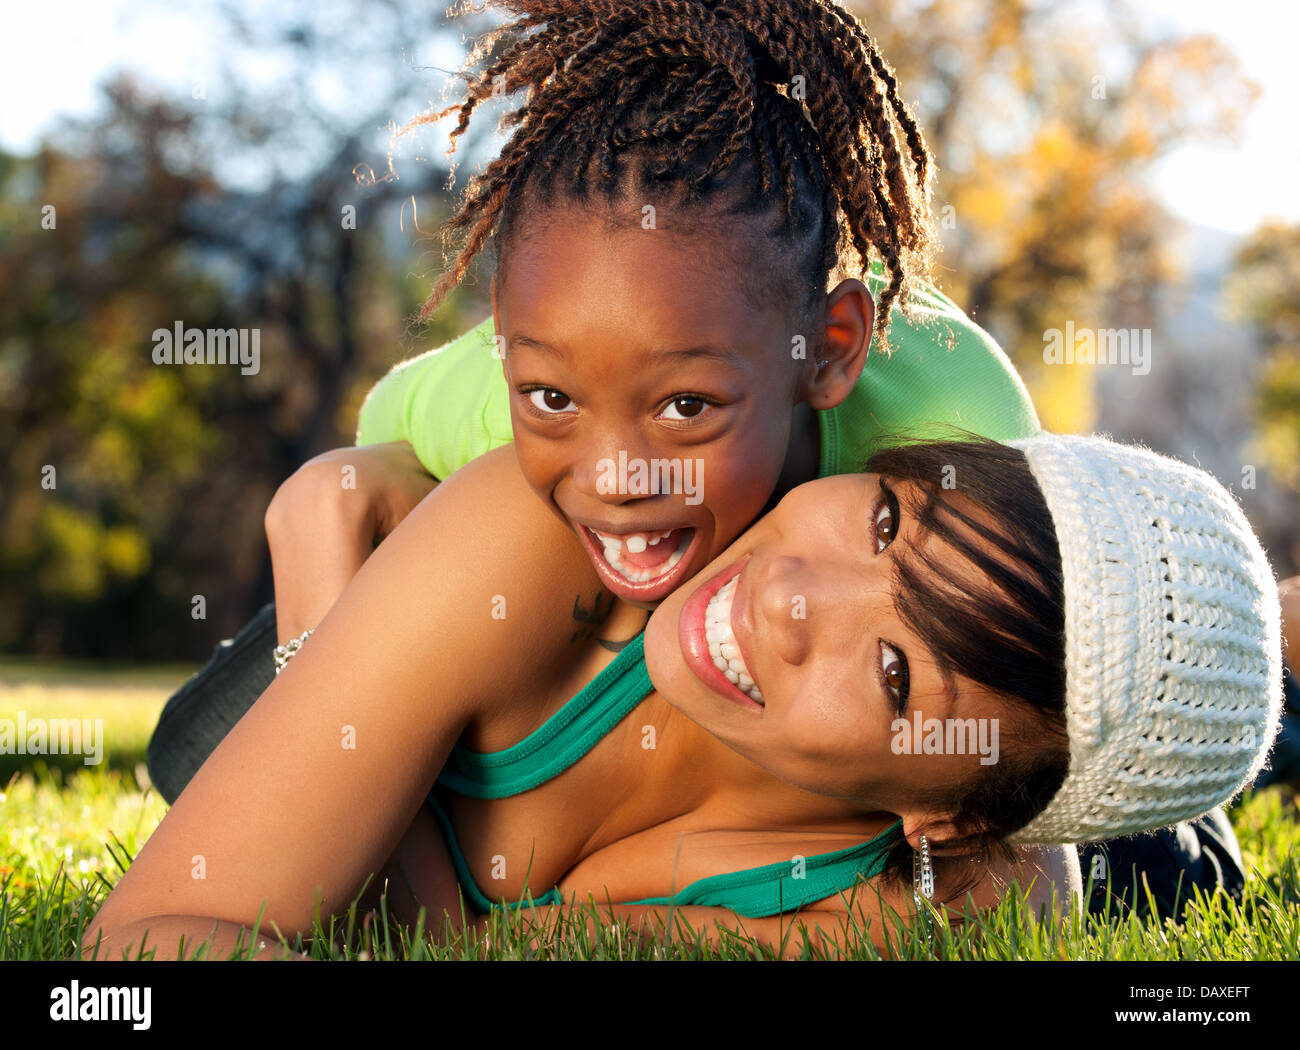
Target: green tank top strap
(563,739)
(784,886)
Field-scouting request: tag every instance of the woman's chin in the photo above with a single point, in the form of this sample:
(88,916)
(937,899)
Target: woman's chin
(661,648)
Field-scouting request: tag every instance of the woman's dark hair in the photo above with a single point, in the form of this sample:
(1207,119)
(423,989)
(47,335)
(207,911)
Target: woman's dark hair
(1002,625)
(735,104)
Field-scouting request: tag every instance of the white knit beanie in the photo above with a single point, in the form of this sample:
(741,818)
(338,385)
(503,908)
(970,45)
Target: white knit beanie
(1173,651)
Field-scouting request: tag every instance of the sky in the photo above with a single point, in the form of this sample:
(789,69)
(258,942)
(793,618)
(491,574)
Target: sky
(65,47)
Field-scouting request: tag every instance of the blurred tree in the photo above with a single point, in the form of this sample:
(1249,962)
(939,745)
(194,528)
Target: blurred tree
(130,488)
(223,208)
(1045,119)
(1264,290)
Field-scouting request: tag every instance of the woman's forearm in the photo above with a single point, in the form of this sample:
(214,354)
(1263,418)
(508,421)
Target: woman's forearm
(179,937)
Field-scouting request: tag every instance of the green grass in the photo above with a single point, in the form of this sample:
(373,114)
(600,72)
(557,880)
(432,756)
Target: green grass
(68,831)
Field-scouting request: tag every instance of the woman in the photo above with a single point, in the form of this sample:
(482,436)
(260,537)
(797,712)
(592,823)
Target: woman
(1106,612)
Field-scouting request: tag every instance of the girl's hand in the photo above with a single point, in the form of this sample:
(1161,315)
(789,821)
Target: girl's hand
(324,521)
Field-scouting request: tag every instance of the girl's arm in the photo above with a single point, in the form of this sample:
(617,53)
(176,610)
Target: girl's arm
(324,521)
(313,789)
(424,420)
(452,404)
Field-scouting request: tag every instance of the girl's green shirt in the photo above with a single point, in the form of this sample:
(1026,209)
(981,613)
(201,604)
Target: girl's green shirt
(452,404)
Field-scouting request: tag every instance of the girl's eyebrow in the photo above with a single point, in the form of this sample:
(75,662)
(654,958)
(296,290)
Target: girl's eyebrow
(535,344)
(721,354)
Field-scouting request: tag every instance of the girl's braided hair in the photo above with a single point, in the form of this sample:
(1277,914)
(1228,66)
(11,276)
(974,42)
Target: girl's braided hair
(704,102)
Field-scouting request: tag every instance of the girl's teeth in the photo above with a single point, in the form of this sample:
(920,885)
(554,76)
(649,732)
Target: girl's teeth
(722,642)
(636,543)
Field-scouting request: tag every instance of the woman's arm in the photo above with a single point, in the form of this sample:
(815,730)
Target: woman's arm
(313,789)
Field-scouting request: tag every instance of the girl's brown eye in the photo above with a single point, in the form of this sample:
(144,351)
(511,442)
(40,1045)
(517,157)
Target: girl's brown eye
(684,408)
(553,401)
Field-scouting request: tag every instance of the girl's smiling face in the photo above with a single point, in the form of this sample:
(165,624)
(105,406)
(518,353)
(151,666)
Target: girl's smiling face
(651,400)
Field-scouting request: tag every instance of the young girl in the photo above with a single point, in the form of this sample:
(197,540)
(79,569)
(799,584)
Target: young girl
(1103,614)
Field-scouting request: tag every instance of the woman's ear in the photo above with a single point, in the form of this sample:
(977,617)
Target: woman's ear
(845,342)
(938,828)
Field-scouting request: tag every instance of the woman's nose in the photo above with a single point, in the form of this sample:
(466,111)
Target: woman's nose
(784,596)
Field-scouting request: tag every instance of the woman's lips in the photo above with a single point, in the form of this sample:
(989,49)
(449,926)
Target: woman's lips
(692,633)
(633,550)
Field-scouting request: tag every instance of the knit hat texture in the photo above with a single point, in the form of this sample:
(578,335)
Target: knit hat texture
(1173,651)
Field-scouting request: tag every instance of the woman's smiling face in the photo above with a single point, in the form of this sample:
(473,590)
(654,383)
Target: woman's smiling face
(802,606)
(651,402)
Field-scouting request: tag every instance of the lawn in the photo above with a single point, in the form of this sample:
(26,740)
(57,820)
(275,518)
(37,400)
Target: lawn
(68,831)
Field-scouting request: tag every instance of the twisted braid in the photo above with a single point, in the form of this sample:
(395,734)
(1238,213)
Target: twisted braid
(694,98)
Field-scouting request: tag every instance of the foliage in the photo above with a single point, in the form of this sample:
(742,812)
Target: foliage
(222,209)
(1264,290)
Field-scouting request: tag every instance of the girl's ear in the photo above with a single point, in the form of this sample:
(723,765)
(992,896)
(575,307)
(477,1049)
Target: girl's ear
(842,352)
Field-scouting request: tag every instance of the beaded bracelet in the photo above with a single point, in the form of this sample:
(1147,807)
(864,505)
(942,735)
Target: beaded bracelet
(284,653)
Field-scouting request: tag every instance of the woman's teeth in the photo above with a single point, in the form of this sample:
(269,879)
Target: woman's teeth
(723,649)
(637,543)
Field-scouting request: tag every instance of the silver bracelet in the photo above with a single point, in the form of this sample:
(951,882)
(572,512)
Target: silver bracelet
(284,653)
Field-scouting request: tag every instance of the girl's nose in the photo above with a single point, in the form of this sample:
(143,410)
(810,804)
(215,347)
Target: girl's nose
(614,472)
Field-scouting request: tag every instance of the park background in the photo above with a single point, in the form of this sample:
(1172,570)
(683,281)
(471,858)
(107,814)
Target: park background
(1096,166)
(1103,164)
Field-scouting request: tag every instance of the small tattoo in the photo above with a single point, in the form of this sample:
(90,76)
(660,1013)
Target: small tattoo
(599,610)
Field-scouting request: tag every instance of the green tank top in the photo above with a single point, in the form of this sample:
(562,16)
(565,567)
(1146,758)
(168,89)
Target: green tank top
(573,731)
(452,403)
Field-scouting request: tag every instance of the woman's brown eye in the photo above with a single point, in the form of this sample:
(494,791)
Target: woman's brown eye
(885,526)
(894,674)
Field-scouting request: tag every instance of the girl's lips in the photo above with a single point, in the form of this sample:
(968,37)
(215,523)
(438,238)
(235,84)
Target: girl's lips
(649,591)
(691,633)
